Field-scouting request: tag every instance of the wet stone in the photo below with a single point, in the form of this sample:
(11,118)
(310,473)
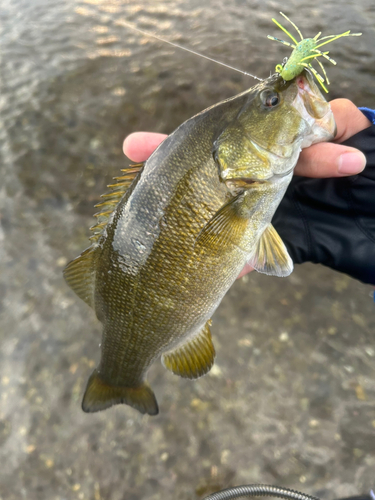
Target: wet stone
(357,427)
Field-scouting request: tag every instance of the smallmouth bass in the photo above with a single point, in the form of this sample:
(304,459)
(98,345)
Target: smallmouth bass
(175,232)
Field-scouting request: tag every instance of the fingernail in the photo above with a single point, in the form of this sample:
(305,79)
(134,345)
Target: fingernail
(351,163)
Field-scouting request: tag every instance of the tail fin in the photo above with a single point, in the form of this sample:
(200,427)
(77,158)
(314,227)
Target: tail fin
(99,395)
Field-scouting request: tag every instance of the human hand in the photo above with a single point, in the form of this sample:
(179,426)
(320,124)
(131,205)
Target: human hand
(318,161)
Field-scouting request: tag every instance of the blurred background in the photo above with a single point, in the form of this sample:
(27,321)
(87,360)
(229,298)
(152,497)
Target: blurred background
(291,398)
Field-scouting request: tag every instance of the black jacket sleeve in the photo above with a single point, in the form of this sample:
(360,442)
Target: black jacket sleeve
(332,221)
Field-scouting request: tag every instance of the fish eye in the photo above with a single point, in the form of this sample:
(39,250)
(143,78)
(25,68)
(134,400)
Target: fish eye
(269,98)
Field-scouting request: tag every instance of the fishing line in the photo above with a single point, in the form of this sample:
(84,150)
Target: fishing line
(124,23)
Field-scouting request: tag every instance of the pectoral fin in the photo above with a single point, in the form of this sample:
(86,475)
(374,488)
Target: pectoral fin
(271,256)
(194,358)
(227,225)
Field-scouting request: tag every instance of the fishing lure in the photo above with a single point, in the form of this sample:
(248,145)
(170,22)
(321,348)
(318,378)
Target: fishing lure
(304,52)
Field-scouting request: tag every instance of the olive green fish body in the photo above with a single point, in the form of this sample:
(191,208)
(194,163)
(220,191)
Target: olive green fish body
(199,209)
(156,296)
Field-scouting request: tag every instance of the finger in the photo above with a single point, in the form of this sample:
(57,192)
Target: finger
(140,145)
(330,160)
(349,119)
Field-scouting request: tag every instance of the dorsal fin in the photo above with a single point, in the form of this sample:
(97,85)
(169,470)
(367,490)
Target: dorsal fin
(80,275)
(111,199)
(80,272)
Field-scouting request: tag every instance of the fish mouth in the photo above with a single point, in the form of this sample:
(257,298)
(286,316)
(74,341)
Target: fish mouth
(240,184)
(237,185)
(314,110)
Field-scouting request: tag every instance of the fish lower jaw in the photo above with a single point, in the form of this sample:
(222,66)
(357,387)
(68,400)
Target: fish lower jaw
(321,126)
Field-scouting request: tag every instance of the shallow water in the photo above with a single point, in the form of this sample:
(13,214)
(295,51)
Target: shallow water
(291,398)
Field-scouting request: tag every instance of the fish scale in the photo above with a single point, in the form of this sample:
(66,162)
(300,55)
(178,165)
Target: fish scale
(195,213)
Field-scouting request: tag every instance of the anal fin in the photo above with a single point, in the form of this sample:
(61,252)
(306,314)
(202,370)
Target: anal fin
(99,395)
(271,256)
(194,358)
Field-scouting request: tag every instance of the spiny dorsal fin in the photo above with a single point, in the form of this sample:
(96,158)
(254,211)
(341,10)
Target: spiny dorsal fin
(271,256)
(80,275)
(194,358)
(111,199)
